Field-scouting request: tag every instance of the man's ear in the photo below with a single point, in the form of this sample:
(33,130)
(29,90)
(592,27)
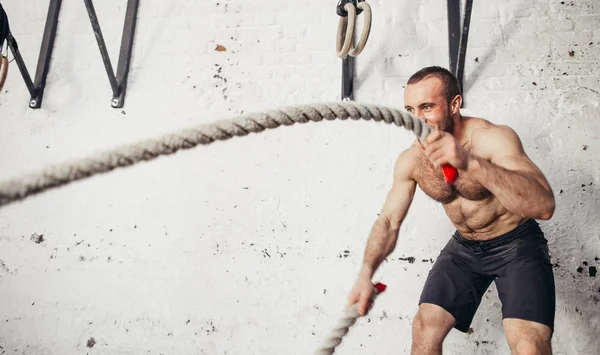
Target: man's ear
(455,104)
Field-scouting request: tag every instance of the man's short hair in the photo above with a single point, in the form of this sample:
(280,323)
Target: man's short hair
(451,87)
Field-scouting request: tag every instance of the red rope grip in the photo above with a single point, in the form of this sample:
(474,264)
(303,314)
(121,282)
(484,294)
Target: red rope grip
(380,287)
(450,173)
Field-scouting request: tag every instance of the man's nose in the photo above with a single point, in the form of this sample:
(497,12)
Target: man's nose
(419,113)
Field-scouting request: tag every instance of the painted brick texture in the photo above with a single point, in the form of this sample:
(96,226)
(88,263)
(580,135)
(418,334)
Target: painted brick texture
(250,246)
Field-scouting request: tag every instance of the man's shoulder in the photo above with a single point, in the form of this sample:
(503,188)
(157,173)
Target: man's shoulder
(481,130)
(406,161)
(477,124)
(410,154)
(487,137)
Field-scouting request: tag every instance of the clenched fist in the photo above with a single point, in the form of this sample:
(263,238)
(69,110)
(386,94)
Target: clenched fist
(361,294)
(442,148)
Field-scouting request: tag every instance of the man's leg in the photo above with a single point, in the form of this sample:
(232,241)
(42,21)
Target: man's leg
(526,289)
(429,329)
(527,337)
(450,298)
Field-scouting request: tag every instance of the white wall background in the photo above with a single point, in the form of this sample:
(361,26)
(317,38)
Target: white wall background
(250,246)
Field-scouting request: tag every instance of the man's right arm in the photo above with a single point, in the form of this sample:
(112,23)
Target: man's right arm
(384,234)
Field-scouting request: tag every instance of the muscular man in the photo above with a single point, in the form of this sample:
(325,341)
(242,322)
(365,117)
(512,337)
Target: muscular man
(493,204)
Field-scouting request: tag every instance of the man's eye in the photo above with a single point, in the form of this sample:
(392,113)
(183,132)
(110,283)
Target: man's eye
(426,107)
(409,110)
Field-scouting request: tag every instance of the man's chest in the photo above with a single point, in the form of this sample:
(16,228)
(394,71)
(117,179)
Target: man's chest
(431,180)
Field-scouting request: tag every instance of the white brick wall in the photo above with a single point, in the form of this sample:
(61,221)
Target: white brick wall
(239,247)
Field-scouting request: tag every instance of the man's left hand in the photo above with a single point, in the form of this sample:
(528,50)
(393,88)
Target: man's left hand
(442,148)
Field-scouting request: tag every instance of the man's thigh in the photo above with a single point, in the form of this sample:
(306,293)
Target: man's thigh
(455,284)
(526,285)
(525,336)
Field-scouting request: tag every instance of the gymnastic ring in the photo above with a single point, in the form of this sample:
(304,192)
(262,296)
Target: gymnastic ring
(366,29)
(344,42)
(3,70)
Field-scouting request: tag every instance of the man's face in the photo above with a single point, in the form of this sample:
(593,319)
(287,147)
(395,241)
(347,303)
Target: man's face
(426,100)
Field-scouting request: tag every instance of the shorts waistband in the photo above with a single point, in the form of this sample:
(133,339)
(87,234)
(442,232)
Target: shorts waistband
(528,227)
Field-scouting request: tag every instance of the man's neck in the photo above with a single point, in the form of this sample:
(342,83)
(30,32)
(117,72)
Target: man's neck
(459,128)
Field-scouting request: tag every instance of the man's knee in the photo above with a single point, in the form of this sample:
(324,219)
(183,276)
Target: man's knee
(431,325)
(528,338)
(532,347)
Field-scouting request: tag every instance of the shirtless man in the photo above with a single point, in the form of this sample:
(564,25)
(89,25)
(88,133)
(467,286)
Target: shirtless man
(493,204)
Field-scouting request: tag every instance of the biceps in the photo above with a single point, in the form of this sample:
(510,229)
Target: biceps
(397,202)
(520,163)
(503,147)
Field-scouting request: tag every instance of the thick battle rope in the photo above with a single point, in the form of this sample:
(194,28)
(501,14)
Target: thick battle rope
(341,328)
(61,174)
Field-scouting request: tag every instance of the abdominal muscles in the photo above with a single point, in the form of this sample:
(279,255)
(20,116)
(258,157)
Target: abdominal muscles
(474,210)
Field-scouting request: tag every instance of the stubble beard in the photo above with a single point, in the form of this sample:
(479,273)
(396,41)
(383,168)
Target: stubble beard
(448,124)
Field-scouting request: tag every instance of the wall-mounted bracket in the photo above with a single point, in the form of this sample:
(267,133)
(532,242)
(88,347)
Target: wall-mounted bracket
(36,89)
(118,83)
(457,38)
(348,78)
(348,63)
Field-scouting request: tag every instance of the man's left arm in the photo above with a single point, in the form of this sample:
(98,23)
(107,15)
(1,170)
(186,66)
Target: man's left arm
(502,166)
(499,164)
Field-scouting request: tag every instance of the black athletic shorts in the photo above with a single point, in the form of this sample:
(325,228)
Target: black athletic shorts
(517,261)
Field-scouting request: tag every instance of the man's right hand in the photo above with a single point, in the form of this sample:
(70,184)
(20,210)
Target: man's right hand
(384,234)
(361,294)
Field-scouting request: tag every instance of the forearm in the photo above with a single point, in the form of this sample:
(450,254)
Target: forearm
(380,244)
(520,193)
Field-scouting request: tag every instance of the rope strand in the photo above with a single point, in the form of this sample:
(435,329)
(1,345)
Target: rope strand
(334,339)
(62,174)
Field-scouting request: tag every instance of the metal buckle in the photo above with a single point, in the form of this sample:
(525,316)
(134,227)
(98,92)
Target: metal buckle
(340,7)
